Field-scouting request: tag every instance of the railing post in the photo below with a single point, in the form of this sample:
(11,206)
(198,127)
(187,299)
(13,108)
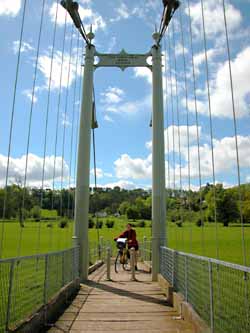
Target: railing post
(173,272)
(108,263)
(144,248)
(46,279)
(132,262)
(186,278)
(211,296)
(10,294)
(101,247)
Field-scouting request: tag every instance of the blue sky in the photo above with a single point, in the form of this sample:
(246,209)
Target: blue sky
(123,99)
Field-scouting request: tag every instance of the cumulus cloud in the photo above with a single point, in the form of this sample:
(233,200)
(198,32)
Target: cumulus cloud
(122,12)
(221,102)
(214,19)
(87,15)
(128,185)
(44,65)
(100,173)
(112,95)
(175,131)
(10,8)
(34,171)
(129,168)
(108,118)
(25,47)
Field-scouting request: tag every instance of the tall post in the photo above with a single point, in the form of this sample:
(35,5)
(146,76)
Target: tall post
(158,157)
(83,164)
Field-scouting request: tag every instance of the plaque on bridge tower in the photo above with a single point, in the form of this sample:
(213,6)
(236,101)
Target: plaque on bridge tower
(123,60)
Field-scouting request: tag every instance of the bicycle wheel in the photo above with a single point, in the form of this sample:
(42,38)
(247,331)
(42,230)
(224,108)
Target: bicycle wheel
(117,262)
(126,264)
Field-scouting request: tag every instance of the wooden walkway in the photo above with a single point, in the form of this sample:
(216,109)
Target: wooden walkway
(120,306)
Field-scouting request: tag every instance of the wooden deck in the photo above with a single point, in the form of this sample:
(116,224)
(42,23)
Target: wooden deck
(120,305)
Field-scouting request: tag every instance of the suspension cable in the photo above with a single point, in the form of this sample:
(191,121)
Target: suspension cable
(197,127)
(58,113)
(77,129)
(211,127)
(65,115)
(187,122)
(30,126)
(11,128)
(47,112)
(178,132)
(236,137)
(95,171)
(73,122)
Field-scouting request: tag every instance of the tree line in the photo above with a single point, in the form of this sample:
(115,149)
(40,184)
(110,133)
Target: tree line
(182,206)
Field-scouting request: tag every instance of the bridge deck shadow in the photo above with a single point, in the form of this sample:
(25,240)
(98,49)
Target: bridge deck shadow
(120,305)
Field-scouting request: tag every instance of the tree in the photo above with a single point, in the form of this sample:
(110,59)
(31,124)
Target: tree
(132,213)
(226,206)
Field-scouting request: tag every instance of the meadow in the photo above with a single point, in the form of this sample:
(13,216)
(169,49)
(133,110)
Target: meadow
(189,238)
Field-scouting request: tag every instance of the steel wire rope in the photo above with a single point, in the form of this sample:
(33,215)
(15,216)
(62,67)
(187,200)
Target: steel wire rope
(65,116)
(11,127)
(197,127)
(30,127)
(178,134)
(210,127)
(48,109)
(72,132)
(236,135)
(77,129)
(57,118)
(246,285)
(173,124)
(167,122)
(187,124)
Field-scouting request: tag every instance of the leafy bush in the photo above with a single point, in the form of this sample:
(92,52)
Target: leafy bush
(63,223)
(36,212)
(49,225)
(199,223)
(141,224)
(99,224)
(179,224)
(91,224)
(110,224)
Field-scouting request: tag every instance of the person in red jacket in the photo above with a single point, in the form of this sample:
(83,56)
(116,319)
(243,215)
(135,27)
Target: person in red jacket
(130,234)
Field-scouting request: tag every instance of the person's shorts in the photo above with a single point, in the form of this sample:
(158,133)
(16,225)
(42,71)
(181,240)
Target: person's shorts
(136,247)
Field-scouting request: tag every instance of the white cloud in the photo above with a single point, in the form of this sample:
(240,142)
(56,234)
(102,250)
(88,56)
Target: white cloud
(130,108)
(112,95)
(10,8)
(179,49)
(26,47)
(221,102)
(34,171)
(214,20)
(199,58)
(173,130)
(65,120)
(28,93)
(108,118)
(128,185)
(143,72)
(122,12)
(100,173)
(129,168)
(44,65)
(87,15)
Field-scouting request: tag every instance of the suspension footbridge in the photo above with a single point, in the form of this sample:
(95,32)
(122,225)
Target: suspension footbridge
(56,271)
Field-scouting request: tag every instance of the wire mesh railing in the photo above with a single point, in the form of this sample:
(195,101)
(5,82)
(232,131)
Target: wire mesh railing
(217,290)
(27,283)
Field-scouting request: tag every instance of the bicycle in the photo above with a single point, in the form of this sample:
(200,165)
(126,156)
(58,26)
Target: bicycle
(123,256)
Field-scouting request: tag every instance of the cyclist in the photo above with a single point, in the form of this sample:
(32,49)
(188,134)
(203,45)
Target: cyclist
(130,234)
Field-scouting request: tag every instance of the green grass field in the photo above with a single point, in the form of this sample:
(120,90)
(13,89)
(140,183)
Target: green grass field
(187,239)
